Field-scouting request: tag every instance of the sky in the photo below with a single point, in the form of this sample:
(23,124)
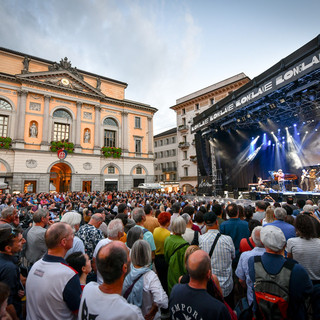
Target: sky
(163,49)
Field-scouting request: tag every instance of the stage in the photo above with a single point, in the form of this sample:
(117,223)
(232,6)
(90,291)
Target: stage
(271,124)
(281,196)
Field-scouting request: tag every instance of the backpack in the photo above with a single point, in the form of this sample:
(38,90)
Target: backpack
(272,291)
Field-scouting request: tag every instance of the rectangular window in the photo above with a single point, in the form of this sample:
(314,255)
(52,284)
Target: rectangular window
(173,176)
(139,170)
(212,101)
(185,155)
(161,142)
(111,170)
(137,122)
(183,111)
(167,141)
(197,107)
(109,138)
(138,146)
(4,126)
(184,121)
(161,154)
(30,186)
(173,152)
(173,139)
(155,144)
(86,186)
(185,170)
(61,131)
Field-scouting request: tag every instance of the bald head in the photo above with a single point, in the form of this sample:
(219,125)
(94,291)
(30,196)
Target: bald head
(198,265)
(111,260)
(56,233)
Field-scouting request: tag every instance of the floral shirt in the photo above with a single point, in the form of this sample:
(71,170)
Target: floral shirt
(90,236)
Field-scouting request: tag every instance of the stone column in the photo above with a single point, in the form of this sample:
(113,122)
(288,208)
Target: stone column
(97,125)
(22,100)
(78,125)
(45,125)
(150,136)
(125,137)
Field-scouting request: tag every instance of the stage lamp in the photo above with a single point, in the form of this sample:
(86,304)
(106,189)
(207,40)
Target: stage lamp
(298,134)
(279,130)
(295,125)
(307,131)
(272,132)
(316,130)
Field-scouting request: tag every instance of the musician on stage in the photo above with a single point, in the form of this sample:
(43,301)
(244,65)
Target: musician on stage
(261,186)
(304,184)
(312,179)
(280,176)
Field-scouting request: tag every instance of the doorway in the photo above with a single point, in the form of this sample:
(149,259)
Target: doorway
(60,177)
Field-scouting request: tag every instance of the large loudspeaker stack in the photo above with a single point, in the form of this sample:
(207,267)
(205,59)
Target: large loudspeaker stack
(203,159)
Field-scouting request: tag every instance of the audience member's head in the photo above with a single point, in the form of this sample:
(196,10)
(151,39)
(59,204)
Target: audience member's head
(198,266)
(134,234)
(253,223)
(255,235)
(178,226)
(304,226)
(280,213)
(273,238)
(113,262)
(141,254)
(79,262)
(232,210)
(164,218)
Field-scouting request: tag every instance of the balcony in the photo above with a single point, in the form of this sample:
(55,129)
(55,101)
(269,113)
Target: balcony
(183,128)
(193,158)
(184,145)
(169,169)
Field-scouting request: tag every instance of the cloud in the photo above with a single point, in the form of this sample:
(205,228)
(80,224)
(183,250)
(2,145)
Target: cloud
(137,42)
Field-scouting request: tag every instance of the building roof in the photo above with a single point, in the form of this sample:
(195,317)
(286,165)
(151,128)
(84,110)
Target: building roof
(52,62)
(211,88)
(166,133)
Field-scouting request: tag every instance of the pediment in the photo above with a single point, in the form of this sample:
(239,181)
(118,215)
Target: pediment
(62,79)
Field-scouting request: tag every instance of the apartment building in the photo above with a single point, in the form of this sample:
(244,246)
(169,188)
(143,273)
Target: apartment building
(186,109)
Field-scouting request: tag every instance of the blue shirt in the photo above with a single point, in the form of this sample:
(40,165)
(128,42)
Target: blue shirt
(242,271)
(236,229)
(288,229)
(9,274)
(300,283)
(148,236)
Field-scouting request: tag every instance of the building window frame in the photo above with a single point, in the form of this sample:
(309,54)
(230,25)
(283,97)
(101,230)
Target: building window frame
(137,122)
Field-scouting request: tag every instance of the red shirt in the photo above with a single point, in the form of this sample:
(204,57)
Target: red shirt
(244,245)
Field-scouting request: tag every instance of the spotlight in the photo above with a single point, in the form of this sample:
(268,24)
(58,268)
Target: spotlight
(264,134)
(295,125)
(238,120)
(307,131)
(282,100)
(279,130)
(272,132)
(303,122)
(272,106)
(252,138)
(316,130)
(298,133)
(282,138)
(286,128)
(273,144)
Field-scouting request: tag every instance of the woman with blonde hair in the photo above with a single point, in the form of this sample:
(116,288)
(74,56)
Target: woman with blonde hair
(269,216)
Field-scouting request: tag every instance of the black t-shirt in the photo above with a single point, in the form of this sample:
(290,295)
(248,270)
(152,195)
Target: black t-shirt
(189,303)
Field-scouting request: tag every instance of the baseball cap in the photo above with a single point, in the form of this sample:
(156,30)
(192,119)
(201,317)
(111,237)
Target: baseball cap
(273,238)
(210,217)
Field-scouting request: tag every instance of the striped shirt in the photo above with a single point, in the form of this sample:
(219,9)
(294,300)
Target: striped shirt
(307,253)
(221,259)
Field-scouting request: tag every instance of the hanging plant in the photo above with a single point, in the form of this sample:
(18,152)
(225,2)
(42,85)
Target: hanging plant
(5,142)
(58,145)
(111,152)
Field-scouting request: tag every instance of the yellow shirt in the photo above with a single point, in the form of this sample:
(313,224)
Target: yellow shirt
(159,235)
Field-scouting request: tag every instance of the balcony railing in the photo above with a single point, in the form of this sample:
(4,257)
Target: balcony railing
(169,169)
(193,158)
(183,127)
(184,145)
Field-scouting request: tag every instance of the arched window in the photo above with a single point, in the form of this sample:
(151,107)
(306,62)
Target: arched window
(62,120)
(110,122)
(4,105)
(110,132)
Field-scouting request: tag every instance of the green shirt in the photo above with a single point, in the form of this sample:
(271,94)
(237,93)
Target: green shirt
(176,263)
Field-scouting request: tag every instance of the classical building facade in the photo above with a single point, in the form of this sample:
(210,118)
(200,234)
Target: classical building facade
(166,160)
(44,104)
(186,109)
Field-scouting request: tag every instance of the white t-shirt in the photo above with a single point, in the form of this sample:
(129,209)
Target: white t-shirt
(306,252)
(100,306)
(100,244)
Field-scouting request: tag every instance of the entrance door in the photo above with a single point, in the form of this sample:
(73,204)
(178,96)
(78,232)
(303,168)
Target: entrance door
(60,177)
(111,186)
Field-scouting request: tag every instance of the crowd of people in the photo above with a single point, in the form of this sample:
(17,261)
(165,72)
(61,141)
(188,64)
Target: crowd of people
(138,255)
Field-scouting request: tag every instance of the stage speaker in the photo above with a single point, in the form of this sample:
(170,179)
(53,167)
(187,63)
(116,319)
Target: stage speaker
(203,158)
(235,194)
